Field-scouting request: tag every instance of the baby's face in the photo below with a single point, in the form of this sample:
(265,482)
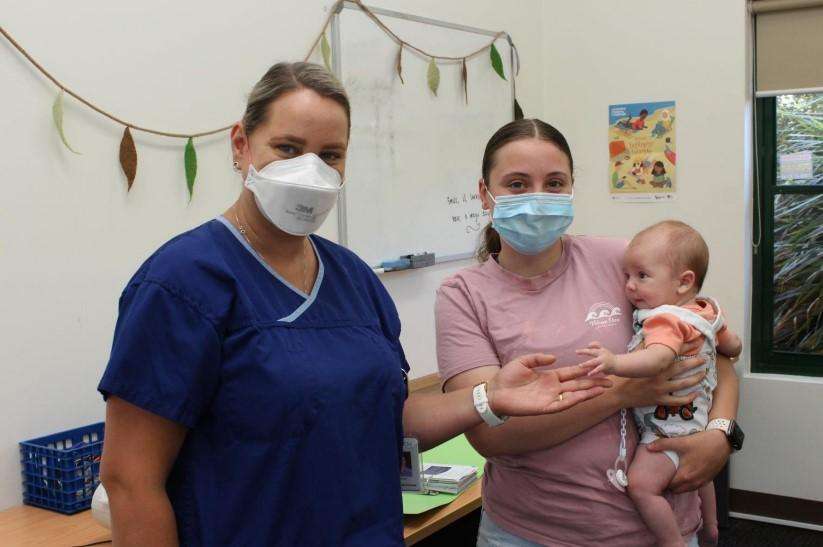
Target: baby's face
(650,281)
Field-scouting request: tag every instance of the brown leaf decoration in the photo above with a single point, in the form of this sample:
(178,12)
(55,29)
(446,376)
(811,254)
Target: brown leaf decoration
(465,81)
(128,157)
(399,64)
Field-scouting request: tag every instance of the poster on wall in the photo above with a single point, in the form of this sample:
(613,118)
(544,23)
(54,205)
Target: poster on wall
(642,152)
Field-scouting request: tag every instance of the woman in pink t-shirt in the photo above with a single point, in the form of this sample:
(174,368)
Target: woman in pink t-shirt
(538,291)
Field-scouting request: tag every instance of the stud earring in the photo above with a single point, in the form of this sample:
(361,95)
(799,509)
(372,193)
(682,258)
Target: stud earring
(235,165)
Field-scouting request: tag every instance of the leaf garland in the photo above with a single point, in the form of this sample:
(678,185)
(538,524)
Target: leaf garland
(433,76)
(128,157)
(190,162)
(465,74)
(128,150)
(399,64)
(497,61)
(325,49)
(57,114)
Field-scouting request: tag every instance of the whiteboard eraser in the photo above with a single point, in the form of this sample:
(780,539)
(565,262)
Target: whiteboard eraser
(422,260)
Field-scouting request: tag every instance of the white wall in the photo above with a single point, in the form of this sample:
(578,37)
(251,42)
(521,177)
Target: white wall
(694,52)
(70,236)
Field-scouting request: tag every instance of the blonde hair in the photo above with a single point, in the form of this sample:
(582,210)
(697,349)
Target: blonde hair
(685,247)
(285,77)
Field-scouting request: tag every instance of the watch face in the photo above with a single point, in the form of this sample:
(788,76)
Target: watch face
(736,436)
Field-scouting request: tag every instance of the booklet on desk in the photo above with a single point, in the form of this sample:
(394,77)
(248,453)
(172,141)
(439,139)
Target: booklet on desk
(451,479)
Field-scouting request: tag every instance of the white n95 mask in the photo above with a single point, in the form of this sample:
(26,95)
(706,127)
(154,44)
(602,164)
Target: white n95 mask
(297,194)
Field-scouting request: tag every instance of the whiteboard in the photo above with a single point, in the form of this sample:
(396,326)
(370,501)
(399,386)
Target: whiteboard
(414,158)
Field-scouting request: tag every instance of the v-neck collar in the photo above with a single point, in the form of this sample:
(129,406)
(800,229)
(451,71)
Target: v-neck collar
(308,298)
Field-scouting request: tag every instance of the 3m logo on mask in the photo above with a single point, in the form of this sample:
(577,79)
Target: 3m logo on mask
(303,213)
(603,314)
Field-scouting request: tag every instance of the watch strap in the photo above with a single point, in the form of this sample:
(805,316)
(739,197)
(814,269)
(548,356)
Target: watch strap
(729,428)
(721,424)
(481,404)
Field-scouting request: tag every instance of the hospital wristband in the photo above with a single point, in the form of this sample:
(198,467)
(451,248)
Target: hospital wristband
(481,404)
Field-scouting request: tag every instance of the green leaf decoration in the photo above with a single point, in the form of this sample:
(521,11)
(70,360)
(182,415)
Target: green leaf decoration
(57,114)
(497,61)
(128,157)
(433,76)
(518,112)
(190,160)
(325,49)
(399,64)
(465,75)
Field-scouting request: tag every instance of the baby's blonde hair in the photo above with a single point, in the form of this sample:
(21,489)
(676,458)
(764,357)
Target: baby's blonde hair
(685,247)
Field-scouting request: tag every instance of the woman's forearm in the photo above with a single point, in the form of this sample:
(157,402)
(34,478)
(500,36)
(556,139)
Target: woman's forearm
(727,392)
(141,516)
(530,433)
(516,389)
(433,418)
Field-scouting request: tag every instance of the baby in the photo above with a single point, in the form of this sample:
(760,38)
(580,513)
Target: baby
(665,265)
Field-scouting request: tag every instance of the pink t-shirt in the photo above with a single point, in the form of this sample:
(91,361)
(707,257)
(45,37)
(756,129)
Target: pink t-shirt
(488,316)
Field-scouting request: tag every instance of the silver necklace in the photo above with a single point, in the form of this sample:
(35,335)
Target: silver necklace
(305,288)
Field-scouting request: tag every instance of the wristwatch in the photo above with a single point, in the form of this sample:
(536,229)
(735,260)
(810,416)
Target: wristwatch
(734,434)
(481,403)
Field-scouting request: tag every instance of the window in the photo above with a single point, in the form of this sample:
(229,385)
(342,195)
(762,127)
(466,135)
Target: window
(787,326)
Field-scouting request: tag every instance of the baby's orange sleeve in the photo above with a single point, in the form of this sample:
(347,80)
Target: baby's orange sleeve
(668,330)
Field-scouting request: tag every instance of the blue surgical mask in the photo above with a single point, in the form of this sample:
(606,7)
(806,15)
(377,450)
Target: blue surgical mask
(531,223)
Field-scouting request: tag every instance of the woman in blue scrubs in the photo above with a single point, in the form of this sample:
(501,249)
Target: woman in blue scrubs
(256,390)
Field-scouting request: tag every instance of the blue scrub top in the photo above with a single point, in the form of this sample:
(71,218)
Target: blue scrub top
(293,402)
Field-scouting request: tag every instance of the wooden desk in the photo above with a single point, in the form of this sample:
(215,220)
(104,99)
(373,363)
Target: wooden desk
(418,527)
(29,526)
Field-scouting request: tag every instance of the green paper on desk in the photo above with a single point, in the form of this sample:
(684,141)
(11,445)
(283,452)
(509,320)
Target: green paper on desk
(457,451)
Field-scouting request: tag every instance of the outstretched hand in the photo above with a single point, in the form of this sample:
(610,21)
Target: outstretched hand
(519,390)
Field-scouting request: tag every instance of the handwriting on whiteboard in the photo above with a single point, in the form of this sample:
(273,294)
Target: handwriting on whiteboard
(466,211)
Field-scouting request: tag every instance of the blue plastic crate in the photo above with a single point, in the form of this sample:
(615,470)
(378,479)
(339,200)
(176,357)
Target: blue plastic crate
(61,471)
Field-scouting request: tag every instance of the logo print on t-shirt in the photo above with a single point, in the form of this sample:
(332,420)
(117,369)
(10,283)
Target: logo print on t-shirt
(603,314)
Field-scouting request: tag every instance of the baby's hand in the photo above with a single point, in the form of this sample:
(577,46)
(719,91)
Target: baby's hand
(603,361)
